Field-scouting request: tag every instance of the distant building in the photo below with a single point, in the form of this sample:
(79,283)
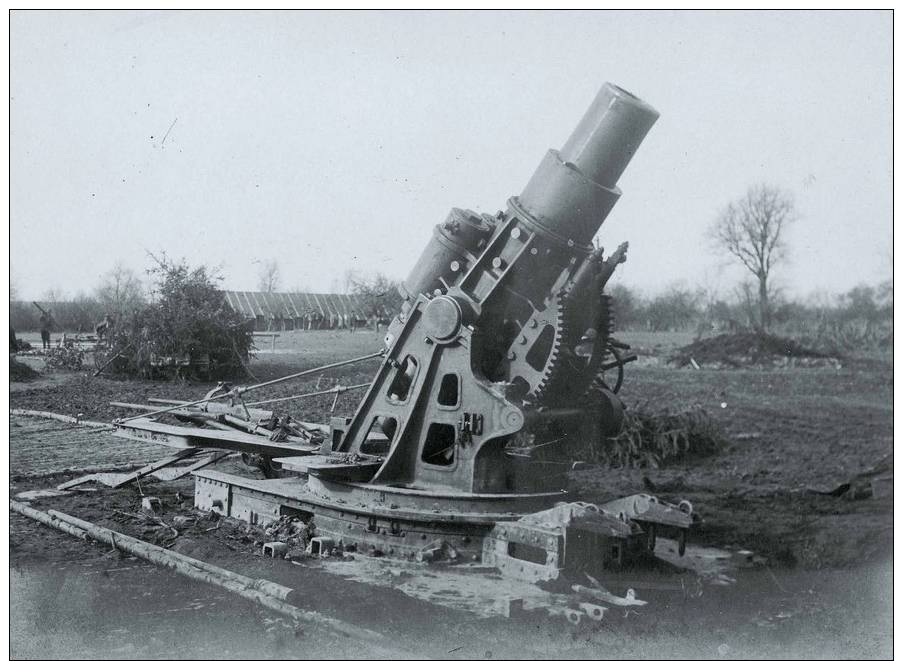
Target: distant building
(298,311)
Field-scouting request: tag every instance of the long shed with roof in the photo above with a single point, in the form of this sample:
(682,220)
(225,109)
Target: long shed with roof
(298,310)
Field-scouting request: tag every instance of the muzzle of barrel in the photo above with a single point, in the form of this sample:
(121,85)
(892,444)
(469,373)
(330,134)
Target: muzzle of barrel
(574,189)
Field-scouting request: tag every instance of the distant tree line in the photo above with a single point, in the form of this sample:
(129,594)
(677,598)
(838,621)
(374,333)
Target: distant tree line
(862,316)
(119,294)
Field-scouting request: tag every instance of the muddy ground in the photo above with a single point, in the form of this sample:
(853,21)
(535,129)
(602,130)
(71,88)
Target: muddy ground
(85,600)
(788,430)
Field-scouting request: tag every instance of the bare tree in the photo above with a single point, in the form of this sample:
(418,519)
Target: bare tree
(752,230)
(121,291)
(377,295)
(349,279)
(269,276)
(54,295)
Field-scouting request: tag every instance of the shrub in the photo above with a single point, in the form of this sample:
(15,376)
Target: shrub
(651,439)
(187,320)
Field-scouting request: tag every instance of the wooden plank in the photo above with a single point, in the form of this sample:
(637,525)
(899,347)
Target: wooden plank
(150,468)
(104,478)
(176,472)
(60,417)
(187,437)
(136,407)
(117,480)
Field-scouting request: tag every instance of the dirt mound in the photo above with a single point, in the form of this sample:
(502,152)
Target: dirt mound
(750,349)
(20,371)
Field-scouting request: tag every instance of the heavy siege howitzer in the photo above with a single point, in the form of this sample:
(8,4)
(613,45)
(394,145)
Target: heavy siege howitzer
(499,353)
(505,327)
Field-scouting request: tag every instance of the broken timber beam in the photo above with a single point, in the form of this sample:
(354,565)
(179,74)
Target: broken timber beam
(117,480)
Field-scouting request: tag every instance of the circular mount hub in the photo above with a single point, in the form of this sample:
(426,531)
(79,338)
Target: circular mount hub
(442,319)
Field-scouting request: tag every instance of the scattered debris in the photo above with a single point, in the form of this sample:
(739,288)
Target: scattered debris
(151,504)
(321,546)
(67,356)
(275,549)
(594,611)
(291,530)
(600,594)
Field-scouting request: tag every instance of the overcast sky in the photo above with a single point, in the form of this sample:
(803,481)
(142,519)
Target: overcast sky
(336,141)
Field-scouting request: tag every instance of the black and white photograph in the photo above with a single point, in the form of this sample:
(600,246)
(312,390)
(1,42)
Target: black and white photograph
(454,334)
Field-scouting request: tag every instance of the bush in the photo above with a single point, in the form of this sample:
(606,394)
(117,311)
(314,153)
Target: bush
(651,439)
(189,320)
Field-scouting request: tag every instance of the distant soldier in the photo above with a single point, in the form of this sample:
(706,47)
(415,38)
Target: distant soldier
(104,328)
(46,322)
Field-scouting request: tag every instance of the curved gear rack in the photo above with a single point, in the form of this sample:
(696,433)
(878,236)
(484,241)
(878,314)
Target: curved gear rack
(536,358)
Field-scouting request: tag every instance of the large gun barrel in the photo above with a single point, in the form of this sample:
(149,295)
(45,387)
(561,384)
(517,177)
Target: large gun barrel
(573,190)
(565,202)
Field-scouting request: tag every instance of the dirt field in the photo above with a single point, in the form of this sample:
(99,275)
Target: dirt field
(789,430)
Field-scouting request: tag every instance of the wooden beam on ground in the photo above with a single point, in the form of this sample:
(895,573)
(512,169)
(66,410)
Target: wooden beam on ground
(266,593)
(46,519)
(176,472)
(117,480)
(59,416)
(136,407)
